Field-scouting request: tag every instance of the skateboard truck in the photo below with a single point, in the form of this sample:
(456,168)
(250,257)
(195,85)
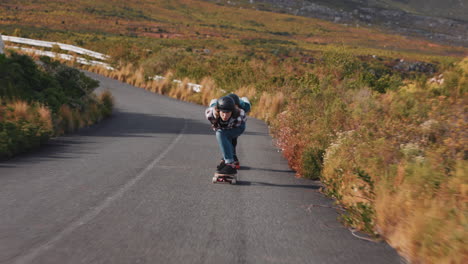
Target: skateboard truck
(229,178)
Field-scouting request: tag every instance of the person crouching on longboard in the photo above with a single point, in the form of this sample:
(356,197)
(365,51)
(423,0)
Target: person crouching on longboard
(229,122)
(244,104)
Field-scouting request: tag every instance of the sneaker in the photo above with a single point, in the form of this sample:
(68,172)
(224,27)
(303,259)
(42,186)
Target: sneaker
(229,168)
(236,162)
(220,166)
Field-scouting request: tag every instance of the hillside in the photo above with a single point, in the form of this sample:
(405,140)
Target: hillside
(443,22)
(100,25)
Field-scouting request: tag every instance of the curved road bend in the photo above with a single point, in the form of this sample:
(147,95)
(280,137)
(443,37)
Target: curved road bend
(136,188)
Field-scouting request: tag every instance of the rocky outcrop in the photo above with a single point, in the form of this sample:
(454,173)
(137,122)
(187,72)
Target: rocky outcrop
(355,13)
(442,30)
(416,66)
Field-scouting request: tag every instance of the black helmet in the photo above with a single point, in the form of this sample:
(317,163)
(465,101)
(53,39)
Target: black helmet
(235,98)
(225,104)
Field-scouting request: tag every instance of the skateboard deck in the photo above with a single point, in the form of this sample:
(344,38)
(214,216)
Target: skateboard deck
(227,178)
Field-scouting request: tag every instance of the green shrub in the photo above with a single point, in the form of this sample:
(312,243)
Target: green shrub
(312,163)
(21,78)
(38,102)
(360,216)
(341,62)
(22,135)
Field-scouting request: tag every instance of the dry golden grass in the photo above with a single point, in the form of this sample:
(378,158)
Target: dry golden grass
(152,86)
(21,111)
(268,106)
(209,90)
(137,78)
(45,117)
(426,229)
(98,69)
(66,119)
(124,73)
(165,85)
(179,90)
(246,91)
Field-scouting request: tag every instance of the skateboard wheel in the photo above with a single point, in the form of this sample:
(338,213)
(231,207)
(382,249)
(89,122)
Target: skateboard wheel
(233,181)
(214,180)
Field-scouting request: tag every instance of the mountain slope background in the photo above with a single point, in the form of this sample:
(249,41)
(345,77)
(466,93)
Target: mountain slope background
(100,25)
(440,21)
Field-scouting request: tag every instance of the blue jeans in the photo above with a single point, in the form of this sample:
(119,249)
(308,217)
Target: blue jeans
(224,138)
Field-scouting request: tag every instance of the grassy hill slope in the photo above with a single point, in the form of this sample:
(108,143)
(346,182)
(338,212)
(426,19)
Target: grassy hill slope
(82,22)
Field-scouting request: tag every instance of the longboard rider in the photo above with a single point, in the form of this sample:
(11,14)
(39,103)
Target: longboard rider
(244,104)
(228,121)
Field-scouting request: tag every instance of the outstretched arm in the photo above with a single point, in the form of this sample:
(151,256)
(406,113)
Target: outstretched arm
(212,115)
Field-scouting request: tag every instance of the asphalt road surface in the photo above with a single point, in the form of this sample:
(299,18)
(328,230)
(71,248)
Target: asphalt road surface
(136,188)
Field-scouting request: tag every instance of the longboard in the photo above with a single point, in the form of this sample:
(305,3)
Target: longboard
(229,178)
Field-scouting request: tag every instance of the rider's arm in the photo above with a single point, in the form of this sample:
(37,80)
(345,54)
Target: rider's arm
(212,115)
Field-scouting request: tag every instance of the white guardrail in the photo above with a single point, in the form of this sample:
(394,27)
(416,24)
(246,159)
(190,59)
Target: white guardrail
(47,44)
(64,57)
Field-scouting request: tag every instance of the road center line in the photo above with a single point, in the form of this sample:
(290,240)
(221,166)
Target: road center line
(29,256)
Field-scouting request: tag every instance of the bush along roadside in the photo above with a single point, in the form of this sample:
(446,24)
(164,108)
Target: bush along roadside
(395,158)
(40,101)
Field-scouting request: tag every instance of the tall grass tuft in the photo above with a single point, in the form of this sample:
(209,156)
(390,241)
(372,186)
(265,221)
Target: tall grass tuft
(180,90)
(45,117)
(66,120)
(165,85)
(107,103)
(137,78)
(21,111)
(268,105)
(209,90)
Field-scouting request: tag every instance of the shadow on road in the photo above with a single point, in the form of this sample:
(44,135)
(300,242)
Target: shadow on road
(64,147)
(252,133)
(120,125)
(263,169)
(128,124)
(254,183)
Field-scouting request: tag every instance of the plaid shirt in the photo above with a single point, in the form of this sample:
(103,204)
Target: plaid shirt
(231,123)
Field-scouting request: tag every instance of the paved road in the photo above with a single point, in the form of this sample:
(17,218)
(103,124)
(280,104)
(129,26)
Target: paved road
(137,188)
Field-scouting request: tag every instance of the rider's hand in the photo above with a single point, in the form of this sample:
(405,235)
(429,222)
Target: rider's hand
(216,113)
